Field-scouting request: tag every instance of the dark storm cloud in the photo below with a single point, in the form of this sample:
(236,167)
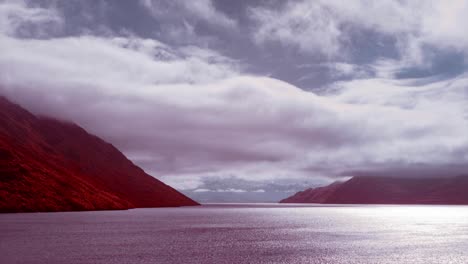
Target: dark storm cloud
(215,96)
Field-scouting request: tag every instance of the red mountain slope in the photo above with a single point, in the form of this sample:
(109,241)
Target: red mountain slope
(388,190)
(48,165)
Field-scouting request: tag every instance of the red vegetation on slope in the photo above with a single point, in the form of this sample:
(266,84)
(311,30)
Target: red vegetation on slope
(48,165)
(388,190)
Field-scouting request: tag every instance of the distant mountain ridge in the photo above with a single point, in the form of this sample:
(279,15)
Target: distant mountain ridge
(50,165)
(388,190)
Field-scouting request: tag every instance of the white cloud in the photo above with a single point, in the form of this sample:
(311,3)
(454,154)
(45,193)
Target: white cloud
(328,27)
(16,18)
(204,9)
(200,10)
(337,70)
(301,25)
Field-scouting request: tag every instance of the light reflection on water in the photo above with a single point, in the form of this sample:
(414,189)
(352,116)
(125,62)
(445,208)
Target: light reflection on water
(240,233)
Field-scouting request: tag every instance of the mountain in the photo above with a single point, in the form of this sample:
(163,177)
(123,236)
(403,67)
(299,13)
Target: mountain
(388,190)
(50,165)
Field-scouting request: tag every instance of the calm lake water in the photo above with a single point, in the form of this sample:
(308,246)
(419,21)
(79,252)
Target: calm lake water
(235,233)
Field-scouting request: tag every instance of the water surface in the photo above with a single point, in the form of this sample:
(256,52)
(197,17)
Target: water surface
(236,233)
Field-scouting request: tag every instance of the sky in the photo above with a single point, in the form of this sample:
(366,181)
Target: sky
(236,101)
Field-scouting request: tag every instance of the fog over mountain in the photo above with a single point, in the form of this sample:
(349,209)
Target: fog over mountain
(260,97)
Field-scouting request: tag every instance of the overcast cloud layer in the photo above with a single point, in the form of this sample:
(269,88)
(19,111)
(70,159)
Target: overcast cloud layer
(250,99)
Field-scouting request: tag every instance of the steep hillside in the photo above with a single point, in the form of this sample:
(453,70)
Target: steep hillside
(49,165)
(388,190)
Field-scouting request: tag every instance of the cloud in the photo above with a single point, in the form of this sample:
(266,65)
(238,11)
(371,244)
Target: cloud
(198,120)
(190,14)
(294,26)
(331,28)
(336,71)
(18,19)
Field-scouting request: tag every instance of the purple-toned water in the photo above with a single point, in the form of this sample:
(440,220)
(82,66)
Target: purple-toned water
(230,233)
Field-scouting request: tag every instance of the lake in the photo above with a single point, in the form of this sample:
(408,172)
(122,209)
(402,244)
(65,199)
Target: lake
(240,233)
